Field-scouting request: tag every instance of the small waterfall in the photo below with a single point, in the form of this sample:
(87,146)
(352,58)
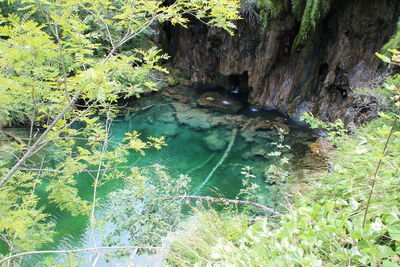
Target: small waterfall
(254,109)
(235,90)
(225,101)
(228,58)
(228,63)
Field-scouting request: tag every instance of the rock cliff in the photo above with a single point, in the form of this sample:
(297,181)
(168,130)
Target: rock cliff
(321,76)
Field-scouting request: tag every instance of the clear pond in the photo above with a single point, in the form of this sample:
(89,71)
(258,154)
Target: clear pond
(209,146)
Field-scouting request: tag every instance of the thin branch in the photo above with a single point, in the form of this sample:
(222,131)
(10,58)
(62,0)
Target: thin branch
(81,138)
(39,140)
(85,170)
(4,238)
(11,153)
(96,182)
(128,36)
(82,113)
(15,110)
(104,22)
(231,201)
(16,138)
(73,251)
(376,172)
(32,119)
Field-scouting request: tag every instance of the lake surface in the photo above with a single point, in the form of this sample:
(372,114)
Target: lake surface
(209,146)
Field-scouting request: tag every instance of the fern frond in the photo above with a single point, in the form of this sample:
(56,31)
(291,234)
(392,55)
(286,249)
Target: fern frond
(298,8)
(269,8)
(394,42)
(314,11)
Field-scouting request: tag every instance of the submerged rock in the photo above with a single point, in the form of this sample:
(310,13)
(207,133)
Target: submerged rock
(174,93)
(246,155)
(150,119)
(249,135)
(218,102)
(166,117)
(259,151)
(215,142)
(260,130)
(199,118)
(194,118)
(262,124)
(180,107)
(169,129)
(233,121)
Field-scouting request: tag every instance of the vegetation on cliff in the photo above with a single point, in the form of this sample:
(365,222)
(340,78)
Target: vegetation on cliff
(308,13)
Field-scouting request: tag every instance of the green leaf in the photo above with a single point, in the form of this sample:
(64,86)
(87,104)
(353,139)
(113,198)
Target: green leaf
(394,232)
(390,264)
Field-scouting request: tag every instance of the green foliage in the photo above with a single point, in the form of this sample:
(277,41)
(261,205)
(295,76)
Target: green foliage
(394,42)
(53,53)
(269,9)
(250,189)
(393,85)
(309,13)
(393,82)
(249,11)
(298,7)
(277,174)
(62,55)
(323,228)
(23,225)
(145,211)
(334,130)
(200,240)
(314,11)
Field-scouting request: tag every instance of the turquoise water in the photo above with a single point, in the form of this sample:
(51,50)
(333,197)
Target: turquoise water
(187,150)
(196,147)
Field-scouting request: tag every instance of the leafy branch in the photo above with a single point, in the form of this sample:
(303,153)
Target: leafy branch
(334,130)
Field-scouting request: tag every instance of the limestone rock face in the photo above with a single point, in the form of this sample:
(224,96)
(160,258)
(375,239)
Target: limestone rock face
(216,101)
(318,77)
